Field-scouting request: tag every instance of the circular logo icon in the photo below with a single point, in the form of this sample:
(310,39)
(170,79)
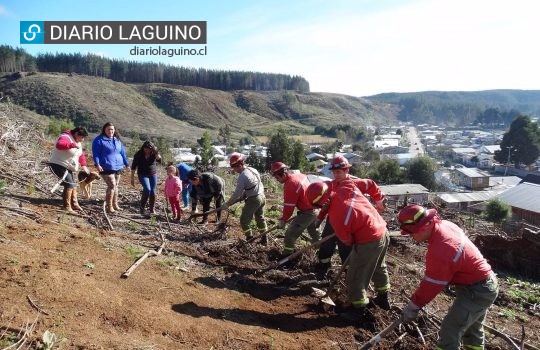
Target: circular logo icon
(32,32)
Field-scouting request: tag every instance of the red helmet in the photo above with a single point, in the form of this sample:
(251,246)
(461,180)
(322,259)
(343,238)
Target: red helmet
(236,158)
(413,217)
(318,193)
(278,167)
(339,162)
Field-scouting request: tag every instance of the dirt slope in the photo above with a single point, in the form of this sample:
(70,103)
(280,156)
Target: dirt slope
(200,294)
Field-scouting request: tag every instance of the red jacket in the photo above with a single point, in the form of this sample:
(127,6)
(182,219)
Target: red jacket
(354,219)
(451,258)
(366,186)
(294,195)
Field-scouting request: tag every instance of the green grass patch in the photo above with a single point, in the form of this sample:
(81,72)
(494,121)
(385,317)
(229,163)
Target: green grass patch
(134,252)
(507,313)
(133,226)
(173,262)
(9,338)
(523,291)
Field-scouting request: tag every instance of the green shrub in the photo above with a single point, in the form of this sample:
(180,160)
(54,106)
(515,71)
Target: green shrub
(497,211)
(56,126)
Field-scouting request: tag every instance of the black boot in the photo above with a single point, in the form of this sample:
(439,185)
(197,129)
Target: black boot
(144,199)
(354,314)
(321,269)
(152,203)
(359,317)
(381,300)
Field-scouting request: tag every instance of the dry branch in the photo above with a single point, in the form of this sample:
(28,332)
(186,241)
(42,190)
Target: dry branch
(139,261)
(34,305)
(106,216)
(28,329)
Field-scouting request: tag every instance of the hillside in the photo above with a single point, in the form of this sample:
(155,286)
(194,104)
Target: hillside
(61,275)
(182,112)
(459,107)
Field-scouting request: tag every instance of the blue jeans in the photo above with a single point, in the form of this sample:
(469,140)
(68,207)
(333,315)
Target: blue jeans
(149,184)
(186,190)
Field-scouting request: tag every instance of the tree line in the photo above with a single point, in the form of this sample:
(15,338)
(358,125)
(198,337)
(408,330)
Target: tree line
(13,60)
(493,108)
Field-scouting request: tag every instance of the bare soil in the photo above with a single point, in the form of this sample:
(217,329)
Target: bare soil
(203,292)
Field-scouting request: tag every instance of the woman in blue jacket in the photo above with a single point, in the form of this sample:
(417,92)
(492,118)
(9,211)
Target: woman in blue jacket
(110,158)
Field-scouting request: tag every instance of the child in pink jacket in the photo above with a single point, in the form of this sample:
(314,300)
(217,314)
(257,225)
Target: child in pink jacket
(173,188)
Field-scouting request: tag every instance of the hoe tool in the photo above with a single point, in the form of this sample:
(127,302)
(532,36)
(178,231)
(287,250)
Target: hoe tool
(325,297)
(295,254)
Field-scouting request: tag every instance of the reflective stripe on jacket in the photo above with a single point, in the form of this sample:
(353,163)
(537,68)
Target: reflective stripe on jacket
(354,219)
(451,258)
(294,195)
(366,186)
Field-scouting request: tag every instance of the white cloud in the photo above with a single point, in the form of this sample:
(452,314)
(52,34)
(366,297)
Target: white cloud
(4,12)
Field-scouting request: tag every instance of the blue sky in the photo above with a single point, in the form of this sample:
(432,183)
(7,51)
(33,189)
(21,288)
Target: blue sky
(356,47)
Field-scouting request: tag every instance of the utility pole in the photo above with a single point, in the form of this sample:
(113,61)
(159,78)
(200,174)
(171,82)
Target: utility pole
(508,160)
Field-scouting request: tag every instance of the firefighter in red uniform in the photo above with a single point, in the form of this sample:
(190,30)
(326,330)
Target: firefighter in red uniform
(357,224)
(340,170)
(451,258)
(294,187)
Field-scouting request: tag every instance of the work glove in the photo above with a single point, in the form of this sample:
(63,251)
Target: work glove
(281,224)
(379,205)
(410,312)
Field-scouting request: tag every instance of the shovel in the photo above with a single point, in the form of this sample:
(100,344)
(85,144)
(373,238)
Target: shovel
(295,254)
(378,337)
(325,297)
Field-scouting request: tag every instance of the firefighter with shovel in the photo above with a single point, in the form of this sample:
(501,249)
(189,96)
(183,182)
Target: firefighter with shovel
(358,224)
(451,258)
(340,166)
(294,187)
(249,188)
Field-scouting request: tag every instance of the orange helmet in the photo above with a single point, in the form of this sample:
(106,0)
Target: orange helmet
(236,158)
(413,217)
(318,193)
(278,167)
(339,162)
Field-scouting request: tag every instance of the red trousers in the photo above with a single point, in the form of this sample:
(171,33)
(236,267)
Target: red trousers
(175,207)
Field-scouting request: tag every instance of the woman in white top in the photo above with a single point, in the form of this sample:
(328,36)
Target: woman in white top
(65,159)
